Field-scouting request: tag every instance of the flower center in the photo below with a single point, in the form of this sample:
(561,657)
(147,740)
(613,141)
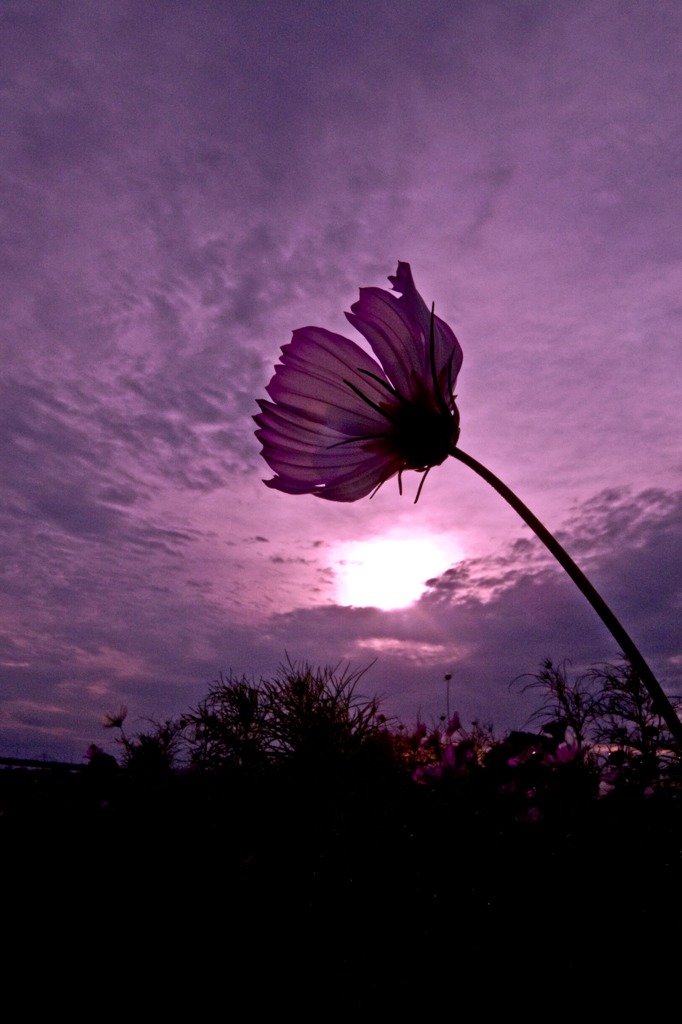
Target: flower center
(424,436)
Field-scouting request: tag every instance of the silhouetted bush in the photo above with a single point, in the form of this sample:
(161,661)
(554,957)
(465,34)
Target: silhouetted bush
(304,715)
(610,715)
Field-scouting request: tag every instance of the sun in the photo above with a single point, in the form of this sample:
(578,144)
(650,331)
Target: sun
(390,572)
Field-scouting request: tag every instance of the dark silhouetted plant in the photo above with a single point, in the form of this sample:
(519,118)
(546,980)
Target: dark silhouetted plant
(611,714)
(229,728)
(627,722)
(302,713)
(315,713)
(155,753)
(566,703)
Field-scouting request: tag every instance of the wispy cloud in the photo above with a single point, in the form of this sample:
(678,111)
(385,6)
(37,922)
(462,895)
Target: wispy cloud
(184,191)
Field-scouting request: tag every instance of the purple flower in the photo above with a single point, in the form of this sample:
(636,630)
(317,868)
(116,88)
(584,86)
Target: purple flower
(340,423)
(115,721)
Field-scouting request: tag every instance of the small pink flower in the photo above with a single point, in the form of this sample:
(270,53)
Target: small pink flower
(454,724)
(340,423)
(450,756)
(568,751)
(427,773)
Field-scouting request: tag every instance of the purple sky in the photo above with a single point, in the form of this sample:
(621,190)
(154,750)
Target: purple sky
(183,184)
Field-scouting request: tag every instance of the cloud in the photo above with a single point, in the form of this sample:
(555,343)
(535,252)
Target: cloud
(186,190)
(489,620)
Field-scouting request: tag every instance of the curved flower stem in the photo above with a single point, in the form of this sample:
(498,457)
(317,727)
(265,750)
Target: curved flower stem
(660,700)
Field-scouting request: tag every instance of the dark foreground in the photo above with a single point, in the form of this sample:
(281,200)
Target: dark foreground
(344,888)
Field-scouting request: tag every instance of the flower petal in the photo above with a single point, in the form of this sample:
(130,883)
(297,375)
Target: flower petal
(398,331)
(318,435)
(390,332)
(357,482)
(448,351)
(312,381)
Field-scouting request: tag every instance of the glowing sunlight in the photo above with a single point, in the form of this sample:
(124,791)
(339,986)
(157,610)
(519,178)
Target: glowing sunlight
(390,572)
